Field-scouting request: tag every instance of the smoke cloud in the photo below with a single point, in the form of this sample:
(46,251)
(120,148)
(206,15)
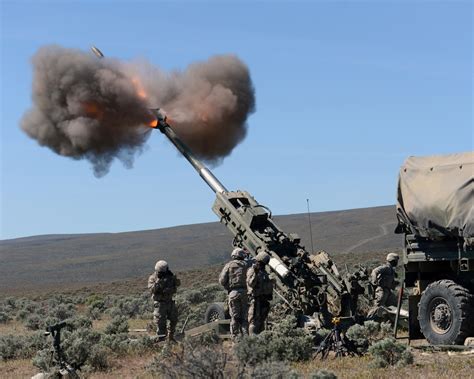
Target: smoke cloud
(98,109)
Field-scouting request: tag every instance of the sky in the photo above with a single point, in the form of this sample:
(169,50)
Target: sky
(345,91)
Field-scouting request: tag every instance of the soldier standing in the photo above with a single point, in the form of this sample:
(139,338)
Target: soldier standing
(163,284)
(232,278)
(383,278)
(260,291)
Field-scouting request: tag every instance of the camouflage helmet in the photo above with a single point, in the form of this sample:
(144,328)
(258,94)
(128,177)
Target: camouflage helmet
(263,257)
(161,266)
(237,253)
(392,257)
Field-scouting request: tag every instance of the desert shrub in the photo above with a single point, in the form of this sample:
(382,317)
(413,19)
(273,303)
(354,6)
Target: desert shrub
(129,307)
(213,293)
(78,345)
(98,358)
(365,335)
(34,322)
(79,322)
(34,342)
(114,312)
(388,352)
(142,344)
(22,314)
(10,347)
(95,306)
(94,313)
(118,343)
(14,346)
(62,311)
(195,315)
(190,360)
(285,342)
(208,339)
(322,374)
(30,306)
(43,360)
(8,309)
(270,370)
(10,302)
(319,335)
(117,325)
(4,317)
(194,296)
(94,298)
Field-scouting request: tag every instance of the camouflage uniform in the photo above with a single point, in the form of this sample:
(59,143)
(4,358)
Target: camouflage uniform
(383,277)
(162,287)
(232,278)
(260,291)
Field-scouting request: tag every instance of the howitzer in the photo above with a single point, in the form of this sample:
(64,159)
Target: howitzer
(304,281)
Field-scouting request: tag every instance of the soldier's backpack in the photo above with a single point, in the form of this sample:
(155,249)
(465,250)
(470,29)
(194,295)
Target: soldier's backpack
(237,274)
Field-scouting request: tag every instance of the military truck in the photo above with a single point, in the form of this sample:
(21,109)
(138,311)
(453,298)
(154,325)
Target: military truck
(435,211)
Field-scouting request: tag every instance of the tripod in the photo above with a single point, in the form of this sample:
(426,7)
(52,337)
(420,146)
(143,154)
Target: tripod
(336,341)
(58,357)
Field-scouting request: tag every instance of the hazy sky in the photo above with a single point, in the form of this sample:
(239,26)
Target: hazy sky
(345,91)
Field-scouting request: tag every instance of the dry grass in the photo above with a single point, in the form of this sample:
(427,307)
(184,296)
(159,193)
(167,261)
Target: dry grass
(427,365)
(14,327)
(19,368)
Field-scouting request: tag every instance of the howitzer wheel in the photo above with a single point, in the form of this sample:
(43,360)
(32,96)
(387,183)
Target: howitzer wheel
(443,313)
(215,312)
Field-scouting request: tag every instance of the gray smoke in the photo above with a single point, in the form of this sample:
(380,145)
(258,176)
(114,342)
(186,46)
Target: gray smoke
(98,109)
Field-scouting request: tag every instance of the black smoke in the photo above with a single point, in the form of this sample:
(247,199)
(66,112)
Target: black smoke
(97,109)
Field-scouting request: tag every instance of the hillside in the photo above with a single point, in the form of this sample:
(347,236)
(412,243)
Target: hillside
(45,262)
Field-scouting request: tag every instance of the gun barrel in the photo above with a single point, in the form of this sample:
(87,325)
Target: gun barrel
(202,170)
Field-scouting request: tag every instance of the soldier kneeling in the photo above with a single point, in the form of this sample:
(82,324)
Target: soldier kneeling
(260,292)
(163,284)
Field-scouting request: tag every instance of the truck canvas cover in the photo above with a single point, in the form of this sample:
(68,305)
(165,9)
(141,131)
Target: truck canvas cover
(436,196)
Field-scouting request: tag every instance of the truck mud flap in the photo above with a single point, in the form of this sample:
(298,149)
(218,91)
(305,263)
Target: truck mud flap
(414,331)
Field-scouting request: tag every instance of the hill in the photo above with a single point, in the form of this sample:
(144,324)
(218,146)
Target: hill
(46,262)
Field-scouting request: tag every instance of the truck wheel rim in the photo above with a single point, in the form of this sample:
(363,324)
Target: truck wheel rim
(441,317)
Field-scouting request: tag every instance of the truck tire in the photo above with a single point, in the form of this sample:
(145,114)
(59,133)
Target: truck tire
(215,312)
(443,313)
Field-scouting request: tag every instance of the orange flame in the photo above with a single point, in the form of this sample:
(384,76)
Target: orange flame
(153,123)
(93,110)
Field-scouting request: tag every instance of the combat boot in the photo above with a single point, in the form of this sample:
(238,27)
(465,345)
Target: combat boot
(171,337)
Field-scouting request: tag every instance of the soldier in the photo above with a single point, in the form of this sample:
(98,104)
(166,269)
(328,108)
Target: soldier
(232,278)
(163,284)
(383,278)
(260,291)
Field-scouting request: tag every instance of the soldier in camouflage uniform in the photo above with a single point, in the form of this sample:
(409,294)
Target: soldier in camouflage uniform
(260,292)
(383,279)
(163,284)
(232,278)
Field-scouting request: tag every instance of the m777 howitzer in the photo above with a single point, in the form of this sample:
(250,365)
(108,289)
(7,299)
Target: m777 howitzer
(310,285)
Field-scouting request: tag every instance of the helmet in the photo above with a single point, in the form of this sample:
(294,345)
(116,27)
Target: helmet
(161,266)
(263,257)
(392,257)
(237,253)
